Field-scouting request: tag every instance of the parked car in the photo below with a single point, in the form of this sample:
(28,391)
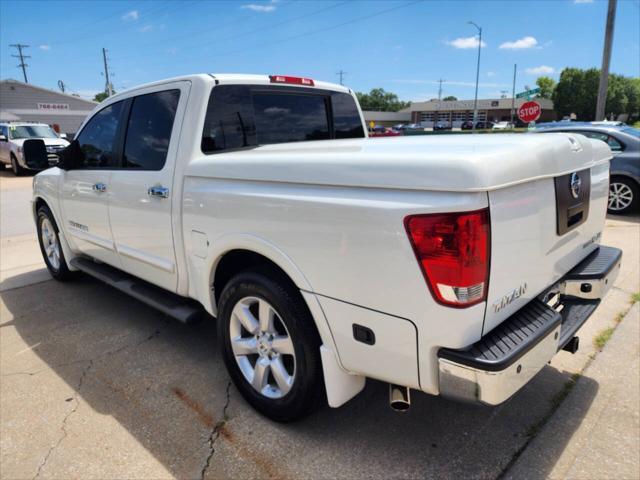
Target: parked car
(326,257)
(624,142)
(468,125)
(441,126)
(399,126)
(482,125)
(414,126)
(502,126)
(13,135)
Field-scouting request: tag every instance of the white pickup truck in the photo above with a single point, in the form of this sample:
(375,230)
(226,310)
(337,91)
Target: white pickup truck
(456,265)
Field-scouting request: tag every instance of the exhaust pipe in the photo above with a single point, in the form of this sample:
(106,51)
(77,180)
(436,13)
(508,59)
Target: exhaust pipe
(399,398)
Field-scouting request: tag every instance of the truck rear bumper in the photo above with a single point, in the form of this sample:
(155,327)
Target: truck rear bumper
(491,370)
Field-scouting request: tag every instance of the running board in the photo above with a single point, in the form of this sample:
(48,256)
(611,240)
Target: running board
(182,309)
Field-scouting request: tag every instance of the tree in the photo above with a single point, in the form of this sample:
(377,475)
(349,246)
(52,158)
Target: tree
(577,92)
(450,98)
(380,100)
(546,85)
(100,97)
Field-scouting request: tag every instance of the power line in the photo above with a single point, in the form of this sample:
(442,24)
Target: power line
(341,74)
(21,56)
(308,33)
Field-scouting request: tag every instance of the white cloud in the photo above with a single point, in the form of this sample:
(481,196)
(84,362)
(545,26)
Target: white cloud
(146,28)
(541,70)
(465,42)
(130,16)
(523,43)
(261,7)
(582,1)
(44,47)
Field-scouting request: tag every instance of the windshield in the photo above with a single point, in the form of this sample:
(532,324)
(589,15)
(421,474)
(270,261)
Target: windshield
(631,131)
(31,131)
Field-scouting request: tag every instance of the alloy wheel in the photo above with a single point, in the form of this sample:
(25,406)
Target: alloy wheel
(262,347)
(620,196)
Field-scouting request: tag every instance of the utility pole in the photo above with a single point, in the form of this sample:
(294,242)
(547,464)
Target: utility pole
(440,89)
(513,93)
(341,74)
(606,60)
(21,56)
(108,86)
(475,99)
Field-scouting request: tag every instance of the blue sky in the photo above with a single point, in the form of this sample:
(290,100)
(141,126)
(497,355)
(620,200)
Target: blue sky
(403,46)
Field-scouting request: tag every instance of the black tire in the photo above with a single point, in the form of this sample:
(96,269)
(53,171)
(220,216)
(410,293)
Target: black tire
(60,272)
(18,171)
(627,185)
(307,392)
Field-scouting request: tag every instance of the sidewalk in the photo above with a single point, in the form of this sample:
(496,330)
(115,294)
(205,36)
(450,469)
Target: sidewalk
(606,443)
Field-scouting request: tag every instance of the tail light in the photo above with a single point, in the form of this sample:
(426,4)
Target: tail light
(291,80)
(453,252)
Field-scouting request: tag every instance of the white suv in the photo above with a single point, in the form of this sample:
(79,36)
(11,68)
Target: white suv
(13,135)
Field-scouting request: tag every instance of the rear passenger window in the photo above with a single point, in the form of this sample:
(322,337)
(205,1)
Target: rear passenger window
(98,137)
(149,130)
(284,117)
(346,118)
(614,145)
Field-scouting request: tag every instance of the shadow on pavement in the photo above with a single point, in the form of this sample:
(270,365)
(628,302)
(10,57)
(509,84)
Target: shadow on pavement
(165,383)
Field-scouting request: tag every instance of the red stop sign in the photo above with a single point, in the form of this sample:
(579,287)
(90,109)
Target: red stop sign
(529,112)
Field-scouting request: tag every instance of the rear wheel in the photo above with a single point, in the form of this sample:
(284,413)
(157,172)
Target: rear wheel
(624,195)
(270,345)
(49,239)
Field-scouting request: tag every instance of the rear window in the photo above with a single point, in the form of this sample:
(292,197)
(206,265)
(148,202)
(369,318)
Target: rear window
(240,116)
(283,117)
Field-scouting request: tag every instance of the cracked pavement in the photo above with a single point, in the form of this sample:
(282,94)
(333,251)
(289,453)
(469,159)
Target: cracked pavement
(96,385)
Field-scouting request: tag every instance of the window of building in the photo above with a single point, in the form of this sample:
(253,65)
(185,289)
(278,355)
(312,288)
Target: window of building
(149,130)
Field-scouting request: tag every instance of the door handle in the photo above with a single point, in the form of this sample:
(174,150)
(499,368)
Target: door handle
(99,187)
(158,191)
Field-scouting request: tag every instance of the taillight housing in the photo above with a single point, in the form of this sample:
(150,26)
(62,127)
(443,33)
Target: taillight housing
(453,250)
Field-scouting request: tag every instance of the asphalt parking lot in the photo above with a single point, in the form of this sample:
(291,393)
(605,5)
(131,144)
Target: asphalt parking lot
(97,385)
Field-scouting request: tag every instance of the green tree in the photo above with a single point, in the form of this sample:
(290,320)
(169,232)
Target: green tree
(100,97)
(577,92)
(546,85)
(450,98)
(380,100)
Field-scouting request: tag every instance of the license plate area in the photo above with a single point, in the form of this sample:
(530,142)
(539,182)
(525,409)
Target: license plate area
(573,195)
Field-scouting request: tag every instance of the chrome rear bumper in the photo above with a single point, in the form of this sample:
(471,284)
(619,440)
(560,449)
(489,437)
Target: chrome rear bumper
(503,361)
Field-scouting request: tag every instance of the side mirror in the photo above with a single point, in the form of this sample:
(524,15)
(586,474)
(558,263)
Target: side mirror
(71,157)
(35,154)
(3,138)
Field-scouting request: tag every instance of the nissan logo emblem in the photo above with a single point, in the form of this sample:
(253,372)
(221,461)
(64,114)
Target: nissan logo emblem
(575,185)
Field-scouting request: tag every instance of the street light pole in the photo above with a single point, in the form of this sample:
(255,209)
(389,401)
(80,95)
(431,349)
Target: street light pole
(475,99)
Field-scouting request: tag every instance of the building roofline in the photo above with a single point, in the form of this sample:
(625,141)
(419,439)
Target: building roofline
(43,89)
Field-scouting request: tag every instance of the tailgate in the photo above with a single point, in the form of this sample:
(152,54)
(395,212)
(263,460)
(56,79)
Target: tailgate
(544,227)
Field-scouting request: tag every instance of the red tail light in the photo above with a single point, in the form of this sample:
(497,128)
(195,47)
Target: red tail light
(453,252)
(293,80)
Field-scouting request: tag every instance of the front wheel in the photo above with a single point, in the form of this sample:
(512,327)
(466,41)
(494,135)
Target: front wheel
(270,345)
(18,171)
(624,195)
(49,239)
